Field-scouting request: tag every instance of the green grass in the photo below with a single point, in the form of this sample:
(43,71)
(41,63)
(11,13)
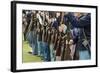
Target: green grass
(27,58)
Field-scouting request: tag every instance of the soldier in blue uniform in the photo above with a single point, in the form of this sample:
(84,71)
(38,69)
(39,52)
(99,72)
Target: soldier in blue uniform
(84,38)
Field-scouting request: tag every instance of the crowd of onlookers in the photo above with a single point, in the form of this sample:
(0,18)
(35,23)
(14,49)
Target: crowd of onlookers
(58,36)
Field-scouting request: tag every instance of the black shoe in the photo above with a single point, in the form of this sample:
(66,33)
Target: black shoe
(30,52)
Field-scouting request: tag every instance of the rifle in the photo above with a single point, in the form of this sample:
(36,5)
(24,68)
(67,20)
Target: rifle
(52,35)
(63,46)
(67,47)
(55,40)
(58,48)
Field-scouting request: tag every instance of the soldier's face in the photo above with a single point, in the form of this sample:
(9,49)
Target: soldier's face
(77,14)
(60,29)
(57,14)
(71,42)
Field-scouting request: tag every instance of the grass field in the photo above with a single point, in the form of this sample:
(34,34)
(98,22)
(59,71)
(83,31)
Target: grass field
(27,58)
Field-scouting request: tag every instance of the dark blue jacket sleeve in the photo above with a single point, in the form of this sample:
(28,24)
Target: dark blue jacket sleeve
(81,23)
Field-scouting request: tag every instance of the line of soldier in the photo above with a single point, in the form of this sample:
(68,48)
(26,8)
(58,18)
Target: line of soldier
(51,40)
